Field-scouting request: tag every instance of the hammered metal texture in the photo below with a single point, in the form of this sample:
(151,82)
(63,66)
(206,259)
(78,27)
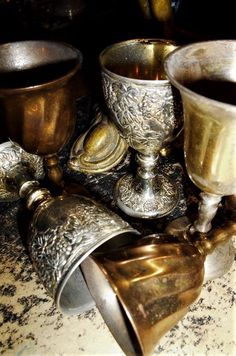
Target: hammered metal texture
(64,230)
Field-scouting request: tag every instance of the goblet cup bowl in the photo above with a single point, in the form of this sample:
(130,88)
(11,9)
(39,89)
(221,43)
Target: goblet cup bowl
(205,74)
(142,103)
(37,101)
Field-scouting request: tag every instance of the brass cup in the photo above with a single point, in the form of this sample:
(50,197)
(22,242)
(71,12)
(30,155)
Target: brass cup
(143,105)
(204,73)
(144,289)
(37,100)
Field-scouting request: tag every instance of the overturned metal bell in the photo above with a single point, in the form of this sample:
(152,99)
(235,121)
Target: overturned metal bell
(144,289)
(63,230)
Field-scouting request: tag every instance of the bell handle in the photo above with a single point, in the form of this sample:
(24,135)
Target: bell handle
(206,243)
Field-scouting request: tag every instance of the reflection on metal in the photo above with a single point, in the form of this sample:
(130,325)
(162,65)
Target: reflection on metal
(99,149)
(204,73)
(148,112)
(11,156)
(160,11)
(37,101)
(63,231)
(144,289)
(216,245)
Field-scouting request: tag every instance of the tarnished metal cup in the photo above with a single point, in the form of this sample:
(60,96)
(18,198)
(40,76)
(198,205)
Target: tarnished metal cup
(205,74)
(37,97)
(147,111)
(63,232)
(144,289)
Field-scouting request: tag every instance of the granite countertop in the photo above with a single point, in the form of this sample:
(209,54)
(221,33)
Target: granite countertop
(31,325)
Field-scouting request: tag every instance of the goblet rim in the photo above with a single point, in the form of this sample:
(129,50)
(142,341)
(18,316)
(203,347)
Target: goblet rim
(75,263)
(78,58)
(135,41)
(184,89)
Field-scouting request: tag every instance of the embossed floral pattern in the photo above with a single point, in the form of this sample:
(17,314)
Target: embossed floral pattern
(145,114)
(54,249)
(10,155)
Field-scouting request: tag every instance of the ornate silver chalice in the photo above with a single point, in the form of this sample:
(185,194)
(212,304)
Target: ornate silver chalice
(63,231)
(205,74)
(142,103)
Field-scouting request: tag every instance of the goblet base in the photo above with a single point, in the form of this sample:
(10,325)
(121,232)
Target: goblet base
(219,262)
(140,199)
(12,155)
(216,263)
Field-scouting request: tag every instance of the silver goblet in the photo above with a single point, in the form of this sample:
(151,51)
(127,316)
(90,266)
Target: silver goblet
(141,101)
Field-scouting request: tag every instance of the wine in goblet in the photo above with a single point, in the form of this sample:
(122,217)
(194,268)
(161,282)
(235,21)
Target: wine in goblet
(37,100)
(141,101)
(205,74)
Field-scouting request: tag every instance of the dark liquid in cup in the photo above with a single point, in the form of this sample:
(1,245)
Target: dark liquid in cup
(223,91)
(41,74)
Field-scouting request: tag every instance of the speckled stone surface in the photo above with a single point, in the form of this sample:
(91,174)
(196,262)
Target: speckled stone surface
(31,325)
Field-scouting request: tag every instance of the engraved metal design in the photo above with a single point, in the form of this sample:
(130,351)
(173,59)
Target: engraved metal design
(64,231)
(10,155)
(148,113)
(147,116)
(130,197)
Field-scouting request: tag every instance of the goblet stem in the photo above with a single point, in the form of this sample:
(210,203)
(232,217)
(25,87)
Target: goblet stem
(54,171)
(21,179)
(147,169)
(207,209)
(149,194)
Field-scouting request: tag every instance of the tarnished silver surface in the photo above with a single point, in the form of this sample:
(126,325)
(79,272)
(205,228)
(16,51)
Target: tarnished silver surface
(145,108)
(207,209)
(63,231)
(130,198)
(219,262)
(10,155)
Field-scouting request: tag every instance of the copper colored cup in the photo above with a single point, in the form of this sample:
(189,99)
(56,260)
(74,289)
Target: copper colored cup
(37,99)
(144,289)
